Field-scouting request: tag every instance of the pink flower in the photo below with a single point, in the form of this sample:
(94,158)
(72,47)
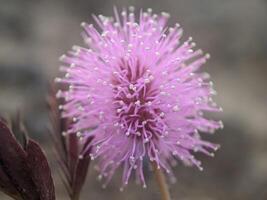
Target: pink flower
(137,89)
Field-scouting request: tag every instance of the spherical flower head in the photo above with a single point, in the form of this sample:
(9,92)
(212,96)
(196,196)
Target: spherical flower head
(137,89)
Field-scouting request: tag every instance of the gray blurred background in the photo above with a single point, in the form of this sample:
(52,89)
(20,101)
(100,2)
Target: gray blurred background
(34,33)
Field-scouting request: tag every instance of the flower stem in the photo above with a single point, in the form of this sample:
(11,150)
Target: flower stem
(75,196)
(163,186)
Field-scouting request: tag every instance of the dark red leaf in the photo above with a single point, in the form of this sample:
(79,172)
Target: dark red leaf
(73,153)
(6,186)
(69,149)
(13,163)
(40,171)
(80,174)
(81,170)
(58,126)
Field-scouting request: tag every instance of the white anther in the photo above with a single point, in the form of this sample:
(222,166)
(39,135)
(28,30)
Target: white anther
(190,51)
(59,94)
(149,103)
(171,29)
(144,122)
(58,80)
(62,58)
(138,133)
(165,14)
(83,24)
(137,103)
(193,44)
(131,8)
(119,110)
(81,108)
(147,80)
(164,73)
(132,87)
(175,108)
(116,24)
(221,124)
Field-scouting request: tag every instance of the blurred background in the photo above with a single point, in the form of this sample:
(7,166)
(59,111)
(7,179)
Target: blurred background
(34,33)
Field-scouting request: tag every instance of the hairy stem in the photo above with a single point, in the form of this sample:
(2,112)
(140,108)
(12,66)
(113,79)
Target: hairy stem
(165,194)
